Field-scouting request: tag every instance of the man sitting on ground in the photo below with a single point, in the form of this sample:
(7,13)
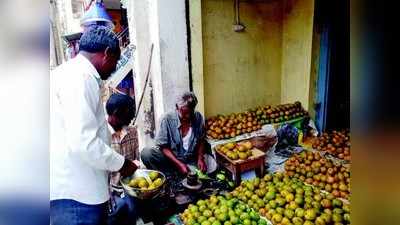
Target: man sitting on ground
(180,141)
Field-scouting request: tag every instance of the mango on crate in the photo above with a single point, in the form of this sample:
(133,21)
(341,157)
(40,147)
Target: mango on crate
(229,126)
(235,151)
(280,113)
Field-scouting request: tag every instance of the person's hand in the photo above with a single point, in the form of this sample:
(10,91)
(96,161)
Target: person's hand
(128,168)
(136,162)
(183,169)
(202,165)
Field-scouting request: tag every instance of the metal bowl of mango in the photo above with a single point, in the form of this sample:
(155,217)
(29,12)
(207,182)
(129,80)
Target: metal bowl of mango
(144,184)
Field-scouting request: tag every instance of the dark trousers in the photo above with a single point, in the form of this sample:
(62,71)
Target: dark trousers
(154,159)
(124,211)
(70,212)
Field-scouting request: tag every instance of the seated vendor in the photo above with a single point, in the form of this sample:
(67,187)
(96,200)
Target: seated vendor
(180,141)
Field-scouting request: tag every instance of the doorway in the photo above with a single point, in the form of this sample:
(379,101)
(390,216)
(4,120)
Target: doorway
(333,85)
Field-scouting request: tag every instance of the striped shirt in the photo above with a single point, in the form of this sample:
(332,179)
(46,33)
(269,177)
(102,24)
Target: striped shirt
(125,142)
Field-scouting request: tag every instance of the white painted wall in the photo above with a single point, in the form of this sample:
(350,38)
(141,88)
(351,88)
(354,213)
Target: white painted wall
(138,12)
(196,43)
(172,43)
(162,23)
(73,24)
(156,73)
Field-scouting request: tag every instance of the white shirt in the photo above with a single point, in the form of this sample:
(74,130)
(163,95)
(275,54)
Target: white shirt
(186,139)
(80,156)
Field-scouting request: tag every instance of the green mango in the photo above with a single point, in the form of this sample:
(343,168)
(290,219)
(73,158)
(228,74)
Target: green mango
(220,177)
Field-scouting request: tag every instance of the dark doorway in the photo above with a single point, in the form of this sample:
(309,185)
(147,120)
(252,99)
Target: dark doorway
(333,21)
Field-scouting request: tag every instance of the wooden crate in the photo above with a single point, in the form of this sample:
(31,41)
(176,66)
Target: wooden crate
(237,167)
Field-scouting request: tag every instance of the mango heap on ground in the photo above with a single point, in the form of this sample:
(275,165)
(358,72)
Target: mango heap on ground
(218,210)
(335,142)
(285,200)
(314,169)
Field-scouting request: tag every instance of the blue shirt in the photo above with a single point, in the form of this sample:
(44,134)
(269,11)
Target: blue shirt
(170,137)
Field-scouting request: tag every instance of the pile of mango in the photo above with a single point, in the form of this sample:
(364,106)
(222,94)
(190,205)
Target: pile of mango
(285,200)
(232,125)
(144,184)
(221,210)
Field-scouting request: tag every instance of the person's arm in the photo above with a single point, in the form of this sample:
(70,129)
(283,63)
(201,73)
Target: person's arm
(82,129)
(182,167)
(200,156)
(200,147)
(163,142)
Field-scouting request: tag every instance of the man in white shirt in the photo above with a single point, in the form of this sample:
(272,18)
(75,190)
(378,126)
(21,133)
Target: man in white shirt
(80,153)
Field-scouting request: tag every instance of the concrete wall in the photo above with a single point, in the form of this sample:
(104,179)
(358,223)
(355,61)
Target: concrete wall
(296,56)
(163,24)
(140,36)
(56,47)
(269,63)
(72,24)
(241,70)
(196,46)
(173,49)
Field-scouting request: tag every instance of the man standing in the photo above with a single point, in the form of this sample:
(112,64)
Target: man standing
(80,156)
